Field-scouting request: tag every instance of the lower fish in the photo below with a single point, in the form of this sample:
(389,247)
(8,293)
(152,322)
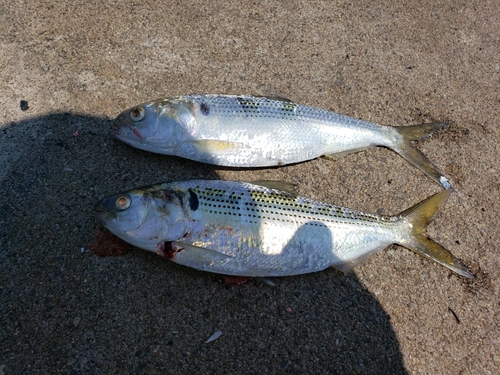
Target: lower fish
(263,229)
(250,131)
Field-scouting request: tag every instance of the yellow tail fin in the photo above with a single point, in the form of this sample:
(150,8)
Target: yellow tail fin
(419,216)
(413,155)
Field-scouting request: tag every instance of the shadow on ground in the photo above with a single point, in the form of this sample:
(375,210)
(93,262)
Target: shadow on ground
(65,310)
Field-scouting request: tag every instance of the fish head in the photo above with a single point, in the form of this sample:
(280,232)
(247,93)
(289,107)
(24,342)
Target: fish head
(157,126)
(144,217)
(137,124)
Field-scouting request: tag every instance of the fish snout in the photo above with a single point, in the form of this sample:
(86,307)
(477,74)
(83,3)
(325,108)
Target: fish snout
(124,130)
(106,208)
(120,123)
(104,215)
(99,207)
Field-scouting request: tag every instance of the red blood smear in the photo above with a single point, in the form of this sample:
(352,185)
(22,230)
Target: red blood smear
(166,250)
(168,196)
(106,243)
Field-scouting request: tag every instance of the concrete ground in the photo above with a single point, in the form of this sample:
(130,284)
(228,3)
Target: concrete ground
(64,310)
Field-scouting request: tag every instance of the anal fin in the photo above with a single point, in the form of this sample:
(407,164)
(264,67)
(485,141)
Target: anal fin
(265,280)
(240,280)
(347,266)
(339,155)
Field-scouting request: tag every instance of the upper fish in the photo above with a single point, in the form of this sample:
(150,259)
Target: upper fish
(250,131)
(248,229)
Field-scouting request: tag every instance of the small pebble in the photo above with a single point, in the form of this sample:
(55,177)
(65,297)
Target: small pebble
(24,105)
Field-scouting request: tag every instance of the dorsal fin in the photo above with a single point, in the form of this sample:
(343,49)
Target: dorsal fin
(287,187)
(274,97)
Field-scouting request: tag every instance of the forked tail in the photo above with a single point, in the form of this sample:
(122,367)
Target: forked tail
(418,217)
(405,148)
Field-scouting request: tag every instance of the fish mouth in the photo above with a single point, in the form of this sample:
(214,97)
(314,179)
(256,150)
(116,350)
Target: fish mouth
(98,208)
(103,214)
(119,126)
(107,220)
(123,130)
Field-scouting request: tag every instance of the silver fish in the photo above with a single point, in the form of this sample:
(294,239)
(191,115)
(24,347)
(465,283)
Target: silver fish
(248,131)
(244,229)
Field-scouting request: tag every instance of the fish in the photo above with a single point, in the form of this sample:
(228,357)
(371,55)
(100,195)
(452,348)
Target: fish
(251,131)
(263,229)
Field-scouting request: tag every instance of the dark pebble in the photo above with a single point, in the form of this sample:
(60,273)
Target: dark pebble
(24,105)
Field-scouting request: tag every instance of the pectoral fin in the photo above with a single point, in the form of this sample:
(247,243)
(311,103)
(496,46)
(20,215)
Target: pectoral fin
(199,254)
(214,146)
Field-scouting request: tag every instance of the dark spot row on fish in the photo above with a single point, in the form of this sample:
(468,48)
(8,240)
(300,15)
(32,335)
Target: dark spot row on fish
(211,192)
(297,211)
(284,217)
(288,107)
(253,108)
(248,105)
(262,202)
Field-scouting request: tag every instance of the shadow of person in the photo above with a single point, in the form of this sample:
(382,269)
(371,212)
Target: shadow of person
(66,310)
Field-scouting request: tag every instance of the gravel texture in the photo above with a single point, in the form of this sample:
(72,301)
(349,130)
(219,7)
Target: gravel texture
(68,68)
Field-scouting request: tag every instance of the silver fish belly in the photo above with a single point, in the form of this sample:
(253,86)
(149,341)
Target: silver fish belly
(248,131)
(242,229)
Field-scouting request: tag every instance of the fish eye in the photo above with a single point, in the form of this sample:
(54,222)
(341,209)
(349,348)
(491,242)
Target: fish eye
(122,203)
(137,113)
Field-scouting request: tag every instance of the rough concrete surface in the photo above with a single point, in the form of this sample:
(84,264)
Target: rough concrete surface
(78,64)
